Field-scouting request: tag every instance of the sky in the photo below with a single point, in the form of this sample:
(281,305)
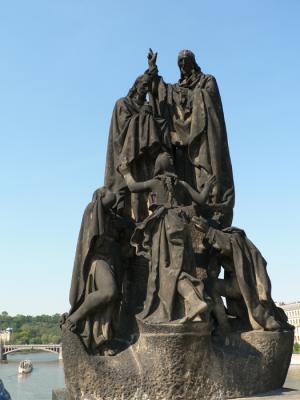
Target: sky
(64,63)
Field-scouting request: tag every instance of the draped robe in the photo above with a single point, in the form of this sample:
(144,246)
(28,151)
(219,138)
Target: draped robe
(250,270)
(194,111)
(102,237)
(137,136)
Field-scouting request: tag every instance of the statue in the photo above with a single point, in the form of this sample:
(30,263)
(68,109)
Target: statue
(99,266)
(137,135)
(164,239)
(246,284)
(151,247)
(194,112)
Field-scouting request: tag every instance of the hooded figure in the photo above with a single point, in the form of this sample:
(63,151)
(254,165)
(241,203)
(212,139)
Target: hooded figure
(98,271)
(193,109)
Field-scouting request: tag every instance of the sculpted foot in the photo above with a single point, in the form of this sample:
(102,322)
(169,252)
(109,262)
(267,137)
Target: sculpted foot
(195,309)
(70,325)
(272,325)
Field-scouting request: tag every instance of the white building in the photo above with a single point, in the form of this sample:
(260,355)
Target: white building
(292,311)
(5,336)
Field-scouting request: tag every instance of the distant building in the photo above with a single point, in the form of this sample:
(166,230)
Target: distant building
(292,311)
(5,335)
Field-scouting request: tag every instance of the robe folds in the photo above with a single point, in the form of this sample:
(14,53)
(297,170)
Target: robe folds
(250,269)
(101,237)
(135,135)
(194,111)
(165,240)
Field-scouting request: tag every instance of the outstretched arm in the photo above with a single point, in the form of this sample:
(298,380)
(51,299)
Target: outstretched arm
(133,186)
(200,197)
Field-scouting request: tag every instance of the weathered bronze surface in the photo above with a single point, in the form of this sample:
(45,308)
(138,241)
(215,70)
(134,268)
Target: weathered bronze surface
(146,284)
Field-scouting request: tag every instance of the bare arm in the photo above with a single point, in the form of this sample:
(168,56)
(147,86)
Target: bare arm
(200,197)
(137,187)
(134,186)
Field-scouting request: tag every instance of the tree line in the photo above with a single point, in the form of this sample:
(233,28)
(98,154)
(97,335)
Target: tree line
(41,329)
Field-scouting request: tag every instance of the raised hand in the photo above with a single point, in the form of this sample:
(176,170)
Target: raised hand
(151,58)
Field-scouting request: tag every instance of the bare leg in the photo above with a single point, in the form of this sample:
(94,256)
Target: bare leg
(196,305)
(228,288)
(105,294)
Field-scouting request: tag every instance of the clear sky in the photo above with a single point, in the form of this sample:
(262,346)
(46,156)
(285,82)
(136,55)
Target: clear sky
(63,65)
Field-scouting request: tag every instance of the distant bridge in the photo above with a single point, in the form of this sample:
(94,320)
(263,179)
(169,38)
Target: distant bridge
(13,348)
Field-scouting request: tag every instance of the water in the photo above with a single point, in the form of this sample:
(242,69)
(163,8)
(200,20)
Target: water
(48,374)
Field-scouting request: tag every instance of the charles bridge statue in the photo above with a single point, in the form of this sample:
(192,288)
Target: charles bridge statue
(147,318)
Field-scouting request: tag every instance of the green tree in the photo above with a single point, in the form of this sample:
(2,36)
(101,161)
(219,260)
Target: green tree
(34,330)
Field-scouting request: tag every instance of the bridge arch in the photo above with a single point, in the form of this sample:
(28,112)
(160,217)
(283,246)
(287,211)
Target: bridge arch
(15,350)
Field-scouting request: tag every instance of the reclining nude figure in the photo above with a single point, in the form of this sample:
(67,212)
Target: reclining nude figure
(164,239)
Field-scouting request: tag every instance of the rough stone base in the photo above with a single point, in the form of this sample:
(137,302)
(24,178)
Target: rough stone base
(60,394)
(179,362)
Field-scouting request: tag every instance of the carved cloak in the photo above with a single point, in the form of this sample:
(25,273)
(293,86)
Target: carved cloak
(194,109)
(92,226)
(250,269)
(103,236)
(136,136)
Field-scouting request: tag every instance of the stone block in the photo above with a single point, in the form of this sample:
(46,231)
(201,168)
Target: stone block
(179,362)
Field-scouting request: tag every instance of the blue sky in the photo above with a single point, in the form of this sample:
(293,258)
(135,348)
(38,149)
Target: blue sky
(63,65)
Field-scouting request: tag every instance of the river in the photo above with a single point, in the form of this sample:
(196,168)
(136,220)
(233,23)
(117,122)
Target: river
(48,374)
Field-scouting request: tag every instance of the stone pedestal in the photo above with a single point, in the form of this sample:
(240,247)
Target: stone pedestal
(179,362)
(60,394)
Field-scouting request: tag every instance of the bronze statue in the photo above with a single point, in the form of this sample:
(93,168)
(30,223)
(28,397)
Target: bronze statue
(246,284)
(164,239)
(150,250)
(96,288)
(137,135)
(194,112)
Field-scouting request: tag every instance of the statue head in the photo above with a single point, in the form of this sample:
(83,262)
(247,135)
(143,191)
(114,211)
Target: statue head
(164,163)
(141,86)
(187,63)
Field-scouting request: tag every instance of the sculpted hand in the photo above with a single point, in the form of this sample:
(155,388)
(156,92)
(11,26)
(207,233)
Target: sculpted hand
(228,199)
(210,182)
(207,187)
(152,59)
